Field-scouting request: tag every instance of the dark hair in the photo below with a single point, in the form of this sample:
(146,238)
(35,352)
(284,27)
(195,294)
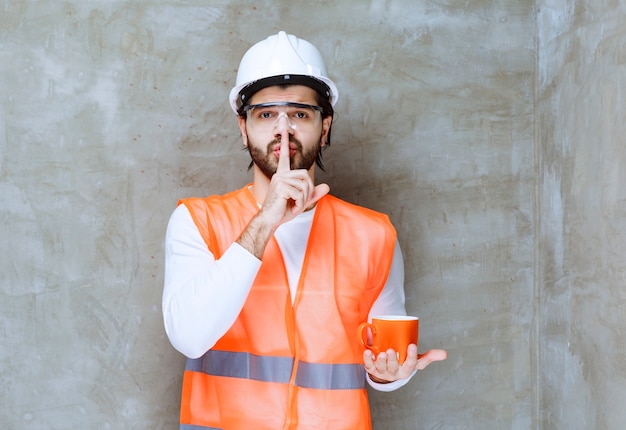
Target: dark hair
(327,111)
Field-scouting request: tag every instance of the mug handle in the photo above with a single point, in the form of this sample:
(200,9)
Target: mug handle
(362,334)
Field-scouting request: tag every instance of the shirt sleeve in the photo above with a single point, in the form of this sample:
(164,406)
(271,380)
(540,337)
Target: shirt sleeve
(391,301)
(197,311)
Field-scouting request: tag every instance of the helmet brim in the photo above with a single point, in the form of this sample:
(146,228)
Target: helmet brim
(240,95)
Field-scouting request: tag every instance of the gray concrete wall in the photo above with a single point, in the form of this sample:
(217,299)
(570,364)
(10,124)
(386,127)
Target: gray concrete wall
(111,111)
(581,116)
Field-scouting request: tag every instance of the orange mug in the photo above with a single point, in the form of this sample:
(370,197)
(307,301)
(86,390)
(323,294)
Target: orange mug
(390,331)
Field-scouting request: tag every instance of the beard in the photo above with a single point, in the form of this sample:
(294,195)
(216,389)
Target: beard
(267,162)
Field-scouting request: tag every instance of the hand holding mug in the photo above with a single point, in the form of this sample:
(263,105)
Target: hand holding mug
(392,353)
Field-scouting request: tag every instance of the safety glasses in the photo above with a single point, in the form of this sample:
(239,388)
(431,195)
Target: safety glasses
(298,116)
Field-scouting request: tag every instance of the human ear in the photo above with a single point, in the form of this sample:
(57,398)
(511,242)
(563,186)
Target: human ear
(326,123)
(244,132)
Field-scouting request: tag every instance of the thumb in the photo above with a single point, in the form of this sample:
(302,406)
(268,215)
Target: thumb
(430,357)
(318,192)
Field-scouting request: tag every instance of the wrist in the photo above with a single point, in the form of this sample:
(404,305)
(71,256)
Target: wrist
(378,380)
(256,235)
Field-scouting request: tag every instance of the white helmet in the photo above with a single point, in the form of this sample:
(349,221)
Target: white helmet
(281,59)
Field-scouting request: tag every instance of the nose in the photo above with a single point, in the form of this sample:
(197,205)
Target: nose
(283,123)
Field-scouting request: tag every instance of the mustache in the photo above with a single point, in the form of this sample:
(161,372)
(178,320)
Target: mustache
(277,140)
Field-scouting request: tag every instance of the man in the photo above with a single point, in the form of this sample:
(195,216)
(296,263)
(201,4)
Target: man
(265,286)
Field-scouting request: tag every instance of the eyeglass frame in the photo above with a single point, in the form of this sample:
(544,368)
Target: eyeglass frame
(319,109)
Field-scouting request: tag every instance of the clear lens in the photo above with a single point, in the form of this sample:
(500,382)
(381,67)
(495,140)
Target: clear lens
(298,116)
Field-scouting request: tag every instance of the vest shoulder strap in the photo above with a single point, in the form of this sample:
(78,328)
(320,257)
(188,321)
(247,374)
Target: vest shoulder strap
(221,218)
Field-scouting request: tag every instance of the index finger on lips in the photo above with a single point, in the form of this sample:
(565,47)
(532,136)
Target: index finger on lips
(284,163)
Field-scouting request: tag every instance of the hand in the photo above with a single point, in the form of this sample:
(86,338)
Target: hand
(290,192)
(385,367)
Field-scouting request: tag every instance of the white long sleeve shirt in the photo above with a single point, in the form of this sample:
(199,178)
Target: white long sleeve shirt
(202,296)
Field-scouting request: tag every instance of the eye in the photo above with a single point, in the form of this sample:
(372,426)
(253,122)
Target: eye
(301,115)
(266,114)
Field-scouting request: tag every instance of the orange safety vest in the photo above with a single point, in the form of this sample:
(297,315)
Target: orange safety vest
(284,366)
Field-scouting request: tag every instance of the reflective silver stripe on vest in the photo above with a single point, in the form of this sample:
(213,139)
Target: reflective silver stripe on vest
(243,365)
(278,369)
(331,376)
